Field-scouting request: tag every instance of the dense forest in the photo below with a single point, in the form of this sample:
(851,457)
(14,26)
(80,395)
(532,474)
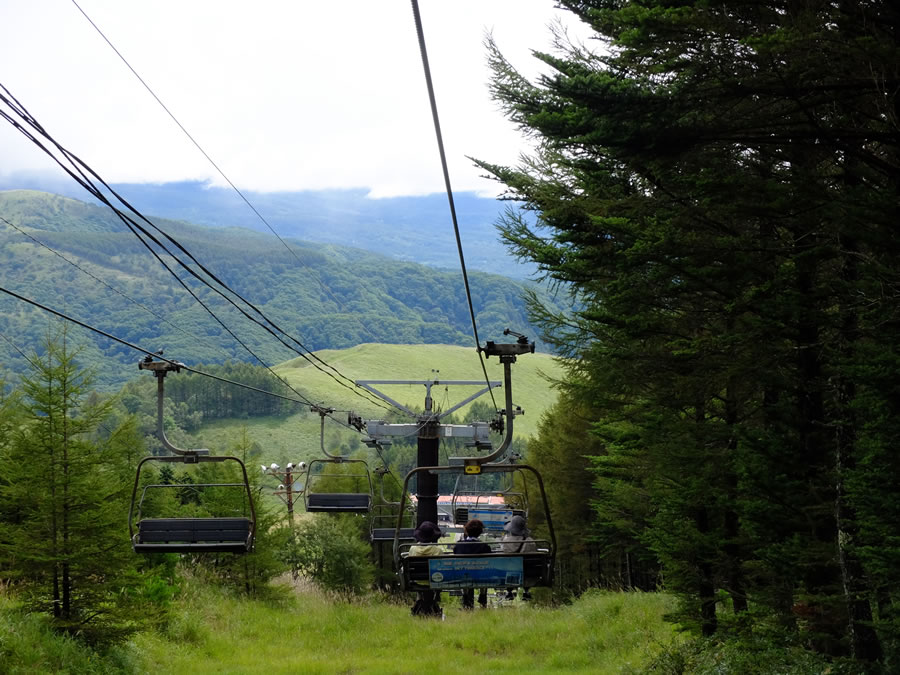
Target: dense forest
(718,182)
(81,260)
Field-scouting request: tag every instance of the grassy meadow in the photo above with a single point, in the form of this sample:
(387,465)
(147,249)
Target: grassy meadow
(296,437)
(531,389)
(301,630)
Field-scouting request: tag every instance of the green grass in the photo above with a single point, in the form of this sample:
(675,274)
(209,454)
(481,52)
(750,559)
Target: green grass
(531,390)
(28,645)
(296,437)
(600,633)
(305,631)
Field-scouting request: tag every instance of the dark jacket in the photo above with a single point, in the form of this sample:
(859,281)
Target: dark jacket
(471,546)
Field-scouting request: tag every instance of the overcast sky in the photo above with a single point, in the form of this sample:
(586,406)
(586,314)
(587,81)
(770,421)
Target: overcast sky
(283,95)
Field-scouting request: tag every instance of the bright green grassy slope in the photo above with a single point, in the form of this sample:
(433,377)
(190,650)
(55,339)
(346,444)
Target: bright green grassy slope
(531,389)
(601,632)
(296,437)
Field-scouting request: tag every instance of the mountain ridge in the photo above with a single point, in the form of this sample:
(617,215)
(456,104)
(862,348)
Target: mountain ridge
(412,228)
(320,295)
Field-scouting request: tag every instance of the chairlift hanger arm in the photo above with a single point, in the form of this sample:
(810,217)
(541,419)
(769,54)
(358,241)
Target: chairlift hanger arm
(160,369)
(507,354)
(323,413)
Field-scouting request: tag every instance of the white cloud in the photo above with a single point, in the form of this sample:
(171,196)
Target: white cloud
(282,95)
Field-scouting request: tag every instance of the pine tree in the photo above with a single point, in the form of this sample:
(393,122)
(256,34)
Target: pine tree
(68,546)
(717,187)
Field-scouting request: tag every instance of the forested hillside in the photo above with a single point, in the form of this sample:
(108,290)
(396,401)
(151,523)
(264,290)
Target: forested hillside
(81,260)
(414,229)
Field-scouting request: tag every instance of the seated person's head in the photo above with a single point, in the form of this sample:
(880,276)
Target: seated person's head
(474,528)
(427,533)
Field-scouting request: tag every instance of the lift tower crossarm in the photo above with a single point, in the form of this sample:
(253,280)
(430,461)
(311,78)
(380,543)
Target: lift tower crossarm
(428,431)
(367,384)
(480,431)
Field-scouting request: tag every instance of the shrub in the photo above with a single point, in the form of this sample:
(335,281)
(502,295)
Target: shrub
(331,551)
(749,655)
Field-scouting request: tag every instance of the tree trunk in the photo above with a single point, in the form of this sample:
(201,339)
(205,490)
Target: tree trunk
(864,643)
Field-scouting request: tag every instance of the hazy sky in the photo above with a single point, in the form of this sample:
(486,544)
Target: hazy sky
(283,95)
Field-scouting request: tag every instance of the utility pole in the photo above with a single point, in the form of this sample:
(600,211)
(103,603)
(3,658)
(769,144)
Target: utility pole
(285,490)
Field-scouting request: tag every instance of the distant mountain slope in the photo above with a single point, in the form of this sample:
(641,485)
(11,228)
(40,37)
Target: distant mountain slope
(417,229)
(324,296)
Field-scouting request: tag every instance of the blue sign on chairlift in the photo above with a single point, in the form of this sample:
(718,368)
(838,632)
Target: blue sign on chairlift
(494,519)
(474,572)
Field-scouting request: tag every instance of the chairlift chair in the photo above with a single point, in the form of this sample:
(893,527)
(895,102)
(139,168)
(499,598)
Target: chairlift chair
(232,534)
(337,502)
(497,569)
(319,501)
(467,504)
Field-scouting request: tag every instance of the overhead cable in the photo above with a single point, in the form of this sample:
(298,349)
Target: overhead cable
(21,353)
(99,280)
(213,163)
(155,355)
(79,171)
(440,141)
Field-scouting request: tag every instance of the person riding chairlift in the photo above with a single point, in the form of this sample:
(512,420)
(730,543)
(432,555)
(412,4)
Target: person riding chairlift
(517,539)
(427,535)
(469,545)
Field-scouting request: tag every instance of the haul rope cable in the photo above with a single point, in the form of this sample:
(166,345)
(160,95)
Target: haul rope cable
(99,280)
(148,352)
(80,167)
(440,141)
(21,353)
(85,182)
(214,165)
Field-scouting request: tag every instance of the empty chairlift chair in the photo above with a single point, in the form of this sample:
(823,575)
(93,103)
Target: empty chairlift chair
(326,491)
(326,486)
(230,531)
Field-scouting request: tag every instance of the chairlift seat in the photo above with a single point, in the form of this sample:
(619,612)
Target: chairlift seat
(339,502)
(387,534)
(186,535)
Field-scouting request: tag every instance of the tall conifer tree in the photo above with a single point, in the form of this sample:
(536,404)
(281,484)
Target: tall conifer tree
(717,183)
(68,545)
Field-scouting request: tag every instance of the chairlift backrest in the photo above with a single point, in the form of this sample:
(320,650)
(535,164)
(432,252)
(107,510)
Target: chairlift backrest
(191,534)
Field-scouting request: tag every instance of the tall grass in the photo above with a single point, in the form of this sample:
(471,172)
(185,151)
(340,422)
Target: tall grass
(28,645)
(311,633)
(301,630)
